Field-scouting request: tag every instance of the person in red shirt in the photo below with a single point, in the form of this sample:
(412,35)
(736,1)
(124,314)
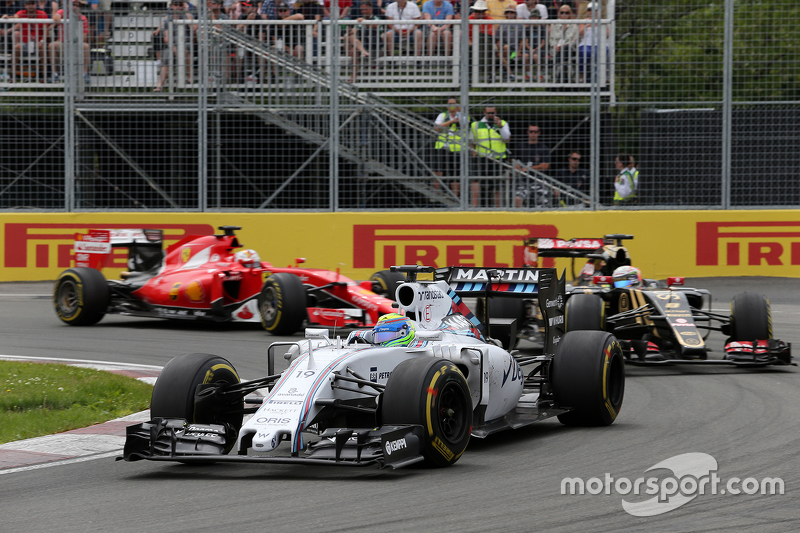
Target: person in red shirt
(30,37)
(55,46)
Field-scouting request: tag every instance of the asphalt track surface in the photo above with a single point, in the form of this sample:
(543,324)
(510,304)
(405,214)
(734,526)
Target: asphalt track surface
(748,420)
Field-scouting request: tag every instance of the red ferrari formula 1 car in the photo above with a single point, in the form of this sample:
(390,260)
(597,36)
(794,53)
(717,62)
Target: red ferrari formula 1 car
(204,277)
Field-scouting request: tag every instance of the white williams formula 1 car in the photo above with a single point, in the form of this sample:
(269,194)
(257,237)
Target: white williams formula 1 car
(414,388)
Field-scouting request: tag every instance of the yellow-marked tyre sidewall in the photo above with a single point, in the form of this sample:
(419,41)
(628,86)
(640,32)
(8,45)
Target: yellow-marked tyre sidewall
(91,294)
(588,376)
(63,279)
(285,295)
(415,394)
(174,391)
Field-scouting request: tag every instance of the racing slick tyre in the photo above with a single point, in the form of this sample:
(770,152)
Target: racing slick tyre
(502,308)
(434,394)
(80,296)
(174,391)
(585,312)
(282,304)
(750,317)
(384,283)
(588,375)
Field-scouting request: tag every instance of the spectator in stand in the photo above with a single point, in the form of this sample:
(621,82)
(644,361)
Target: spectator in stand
(102,12)
(438,10)
(177,11)
(563,45)
(553,7)
(497,8)
(485,31)
(488,139)
(532,155)
(55,47)
(288,37)
(573,176)
(403,10)
(231,8)
(363,42)
(268,9)
(527,7)
(535,41)
(250,12)
(30,37)
(510,40)
(345,7)
(587,45)
(311,10)
(8,10)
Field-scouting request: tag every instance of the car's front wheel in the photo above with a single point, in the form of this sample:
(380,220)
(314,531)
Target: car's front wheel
(176,387)
(434,394)
(750,317)
(282,304)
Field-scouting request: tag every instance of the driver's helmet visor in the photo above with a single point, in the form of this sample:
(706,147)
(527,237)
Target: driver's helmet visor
(622,283)
(381,336)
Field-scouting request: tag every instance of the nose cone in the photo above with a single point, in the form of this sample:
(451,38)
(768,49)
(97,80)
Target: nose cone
(265,440)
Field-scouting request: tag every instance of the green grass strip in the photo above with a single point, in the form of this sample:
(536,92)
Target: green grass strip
(40,399)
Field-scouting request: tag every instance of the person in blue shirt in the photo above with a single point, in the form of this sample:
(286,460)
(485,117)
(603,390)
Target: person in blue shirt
(438,10)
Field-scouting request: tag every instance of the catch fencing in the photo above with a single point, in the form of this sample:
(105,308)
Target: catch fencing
(176,109)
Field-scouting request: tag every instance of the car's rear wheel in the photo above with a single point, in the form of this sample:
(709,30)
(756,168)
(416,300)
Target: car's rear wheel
(176,386)
(750,317)
(80,296)
(384,283)
(434,394)
(588,376)
(282,304)
(585,312)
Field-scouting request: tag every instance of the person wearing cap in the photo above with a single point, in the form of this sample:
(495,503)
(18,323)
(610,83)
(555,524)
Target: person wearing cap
(168,32)
(29,36)
(55,47)
(438,10)
(288,37)
(510,43)
(403,10)
(269,9)
(485,32)
(526,8)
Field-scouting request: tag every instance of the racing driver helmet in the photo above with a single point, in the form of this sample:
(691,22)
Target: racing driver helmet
(247,258)
(393,330)
(627,277)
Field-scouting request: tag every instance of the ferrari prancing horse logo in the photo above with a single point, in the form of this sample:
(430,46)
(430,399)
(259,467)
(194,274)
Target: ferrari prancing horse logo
(186,253)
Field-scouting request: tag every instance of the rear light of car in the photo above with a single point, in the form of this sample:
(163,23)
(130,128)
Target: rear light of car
(602,280)
(675,281)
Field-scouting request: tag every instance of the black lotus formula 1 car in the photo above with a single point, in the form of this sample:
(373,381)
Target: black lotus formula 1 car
(657,323)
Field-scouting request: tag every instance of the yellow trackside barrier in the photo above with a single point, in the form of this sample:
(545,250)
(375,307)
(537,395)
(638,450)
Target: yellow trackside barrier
(667,243)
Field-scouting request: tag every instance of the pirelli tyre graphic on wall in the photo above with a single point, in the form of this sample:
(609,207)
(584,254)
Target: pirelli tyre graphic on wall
(367,400)
(701,243)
